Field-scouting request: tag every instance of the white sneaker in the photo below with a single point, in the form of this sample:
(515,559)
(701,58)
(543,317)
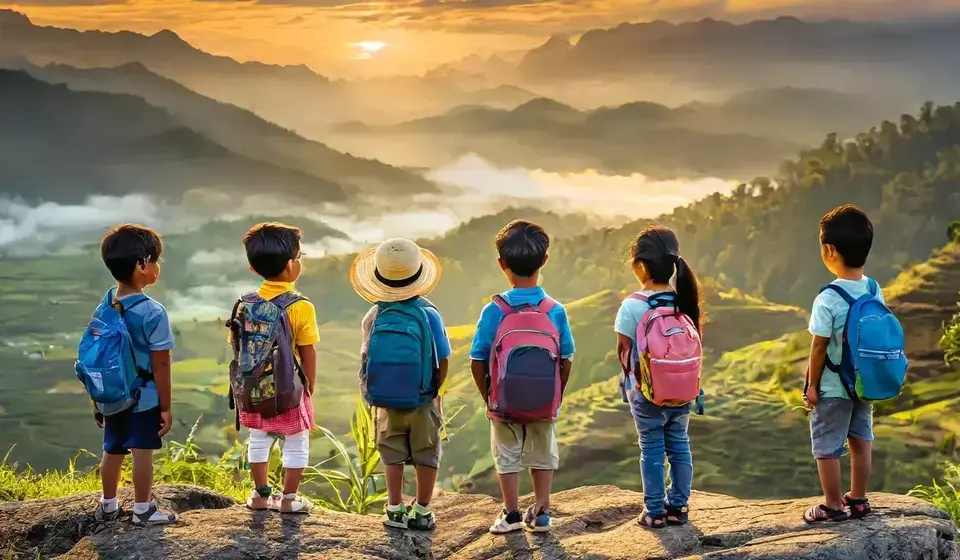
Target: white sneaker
(507,522)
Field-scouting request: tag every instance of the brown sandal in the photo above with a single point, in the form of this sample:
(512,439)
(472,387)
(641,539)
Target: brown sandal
(652,521)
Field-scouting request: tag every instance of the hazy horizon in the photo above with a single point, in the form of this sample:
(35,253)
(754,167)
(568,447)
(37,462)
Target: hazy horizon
(360,38)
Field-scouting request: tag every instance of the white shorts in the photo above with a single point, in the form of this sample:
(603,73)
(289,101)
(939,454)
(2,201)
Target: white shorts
(295,449)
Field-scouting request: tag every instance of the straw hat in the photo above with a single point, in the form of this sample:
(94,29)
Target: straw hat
(395,271)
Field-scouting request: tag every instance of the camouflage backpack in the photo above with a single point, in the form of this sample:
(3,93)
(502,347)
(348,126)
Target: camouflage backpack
(265,376)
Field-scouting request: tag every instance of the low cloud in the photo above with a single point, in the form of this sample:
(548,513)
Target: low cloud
(27,230)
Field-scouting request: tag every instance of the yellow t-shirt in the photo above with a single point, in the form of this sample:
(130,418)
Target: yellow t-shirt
(302,315)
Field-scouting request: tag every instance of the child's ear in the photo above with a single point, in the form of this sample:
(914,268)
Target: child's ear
(252,270)
(502,265)
(545,258)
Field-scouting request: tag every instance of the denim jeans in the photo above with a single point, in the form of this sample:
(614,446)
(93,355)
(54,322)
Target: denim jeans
(663,435)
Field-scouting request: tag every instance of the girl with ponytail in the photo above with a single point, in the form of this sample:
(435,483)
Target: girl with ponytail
(667,305)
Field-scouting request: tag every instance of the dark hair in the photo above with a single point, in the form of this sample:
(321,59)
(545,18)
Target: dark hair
(127,246)
(659,251)
(849,230)
(523,247)
(270,246)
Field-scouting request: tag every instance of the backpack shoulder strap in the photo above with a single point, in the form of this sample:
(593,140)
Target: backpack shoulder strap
(505,307)
(546,305)
(286,299)
(122,308)
(873,287)
(638,296)
(839,291)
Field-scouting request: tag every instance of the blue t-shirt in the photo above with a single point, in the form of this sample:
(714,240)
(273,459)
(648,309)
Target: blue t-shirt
(440,341)
(149,327)
(491,316)
(827,319)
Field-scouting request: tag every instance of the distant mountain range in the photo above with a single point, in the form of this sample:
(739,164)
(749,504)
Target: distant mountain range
(658,44)
(61,145)
(238,130)
(745,136)
(293,96)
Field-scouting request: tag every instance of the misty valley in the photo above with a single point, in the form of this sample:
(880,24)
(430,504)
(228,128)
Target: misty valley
(739,149)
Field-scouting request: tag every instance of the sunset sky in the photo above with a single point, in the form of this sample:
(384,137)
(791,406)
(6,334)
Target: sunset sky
(367,37)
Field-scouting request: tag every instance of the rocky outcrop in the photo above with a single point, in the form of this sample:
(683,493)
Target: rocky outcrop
(594,522)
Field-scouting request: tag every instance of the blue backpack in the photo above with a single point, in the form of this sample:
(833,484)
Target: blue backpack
(399,369)
(873,366)
(106,364)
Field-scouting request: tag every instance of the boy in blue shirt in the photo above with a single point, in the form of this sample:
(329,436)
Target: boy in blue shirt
(522,247)
(132,254)
(400,271)
(846,236)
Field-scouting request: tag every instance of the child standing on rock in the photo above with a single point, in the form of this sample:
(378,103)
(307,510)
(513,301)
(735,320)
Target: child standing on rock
(404,359)
(856,357)
(658,340)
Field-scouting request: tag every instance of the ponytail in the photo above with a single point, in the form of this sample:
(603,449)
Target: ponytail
(688,294)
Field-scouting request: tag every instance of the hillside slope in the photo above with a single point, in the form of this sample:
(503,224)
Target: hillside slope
(237,129)
(62,145)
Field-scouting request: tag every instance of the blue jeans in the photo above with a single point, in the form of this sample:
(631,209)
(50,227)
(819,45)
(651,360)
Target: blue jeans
(663,435)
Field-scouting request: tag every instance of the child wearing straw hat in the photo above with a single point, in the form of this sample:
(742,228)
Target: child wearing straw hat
(404,359)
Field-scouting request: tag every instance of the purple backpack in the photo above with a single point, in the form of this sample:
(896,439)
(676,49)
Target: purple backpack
(265,376)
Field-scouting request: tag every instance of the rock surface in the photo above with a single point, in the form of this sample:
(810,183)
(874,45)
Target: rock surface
(594,522)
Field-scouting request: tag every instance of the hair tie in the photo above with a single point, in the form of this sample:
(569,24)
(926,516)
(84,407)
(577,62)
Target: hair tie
(675,259)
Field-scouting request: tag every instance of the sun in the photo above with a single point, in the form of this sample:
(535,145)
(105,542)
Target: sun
(365,50)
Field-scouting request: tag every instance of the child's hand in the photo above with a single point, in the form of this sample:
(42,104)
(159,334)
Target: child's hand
(812,396)
(166,422)
(98,418)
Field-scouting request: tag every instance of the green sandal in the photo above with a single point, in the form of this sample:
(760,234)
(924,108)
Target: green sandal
(420,519)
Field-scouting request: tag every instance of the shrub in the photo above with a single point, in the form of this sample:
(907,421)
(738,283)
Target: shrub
(943,494)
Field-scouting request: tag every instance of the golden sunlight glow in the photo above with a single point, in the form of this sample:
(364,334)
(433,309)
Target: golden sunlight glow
(365,50)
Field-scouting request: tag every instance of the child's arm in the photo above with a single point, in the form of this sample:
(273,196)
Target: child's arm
(308,361)
(443,366)
(818,360)
(479,370)
(160,362)
(624,351)
(565,367)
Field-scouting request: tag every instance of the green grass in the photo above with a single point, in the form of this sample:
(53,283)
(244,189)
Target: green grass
(943,493)
(350,474)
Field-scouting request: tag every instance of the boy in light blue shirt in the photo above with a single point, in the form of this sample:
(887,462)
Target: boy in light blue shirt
(846,236)
(132,255)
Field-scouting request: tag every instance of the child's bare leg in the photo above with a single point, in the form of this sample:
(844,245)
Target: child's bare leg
(542,483)
(291,480)
(296,457)
(258,471)
(142,475)
(394,476)
(110,468)
(861,463)
(426,481)
(510,489)
(829,470)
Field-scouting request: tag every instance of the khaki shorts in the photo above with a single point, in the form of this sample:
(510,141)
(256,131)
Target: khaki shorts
(524,446)
(409,436)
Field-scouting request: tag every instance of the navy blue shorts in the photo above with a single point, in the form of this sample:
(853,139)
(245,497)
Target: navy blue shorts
(132,430)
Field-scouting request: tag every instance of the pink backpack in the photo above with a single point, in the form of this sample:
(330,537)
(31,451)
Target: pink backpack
(524,384)
(670,356)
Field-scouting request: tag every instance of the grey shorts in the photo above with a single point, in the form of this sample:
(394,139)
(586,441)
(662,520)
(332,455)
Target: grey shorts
(833,421)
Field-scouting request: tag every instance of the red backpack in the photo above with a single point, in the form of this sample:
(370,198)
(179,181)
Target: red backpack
(524,379)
